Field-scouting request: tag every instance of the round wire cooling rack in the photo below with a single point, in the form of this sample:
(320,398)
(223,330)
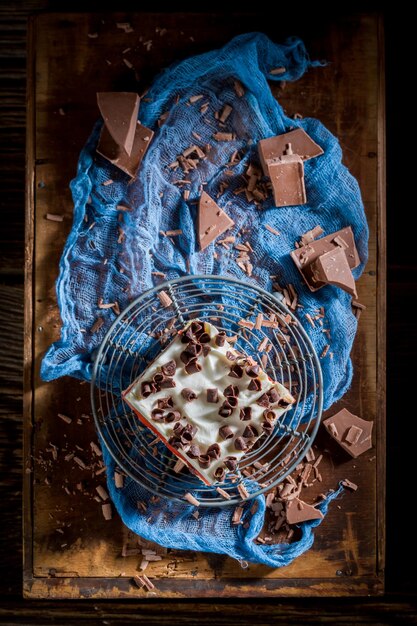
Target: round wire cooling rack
(281,346)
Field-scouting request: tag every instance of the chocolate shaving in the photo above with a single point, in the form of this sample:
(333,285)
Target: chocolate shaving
(231,390)
(226,432)
(245,413)
(212,395)
(188,394)
(236,371)
(240,443)
(169,368)
(204,461)
(194,451)
(255,385)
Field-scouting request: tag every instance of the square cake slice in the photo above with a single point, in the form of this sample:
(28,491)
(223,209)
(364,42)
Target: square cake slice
(206,401)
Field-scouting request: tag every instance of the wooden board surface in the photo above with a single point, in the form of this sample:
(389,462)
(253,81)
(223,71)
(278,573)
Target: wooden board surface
(70,551)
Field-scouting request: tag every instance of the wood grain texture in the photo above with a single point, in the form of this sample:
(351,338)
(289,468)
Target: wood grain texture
(80,555)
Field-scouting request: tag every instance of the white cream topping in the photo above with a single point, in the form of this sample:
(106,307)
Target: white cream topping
(215,373)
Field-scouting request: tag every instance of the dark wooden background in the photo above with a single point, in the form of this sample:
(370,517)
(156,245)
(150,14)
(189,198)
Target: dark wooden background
(399,604)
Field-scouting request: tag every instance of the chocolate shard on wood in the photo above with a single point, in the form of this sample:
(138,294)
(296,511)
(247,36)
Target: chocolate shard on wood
(342,245)
(274,147)
(351,432)
(298,511)
(332,268)
(212,221)
(123,139)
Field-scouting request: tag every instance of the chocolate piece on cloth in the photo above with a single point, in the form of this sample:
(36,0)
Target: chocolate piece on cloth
(329,261)
(275,147)
(298,511)
(287,178)
(351,432)
(123,140)
(212,221)
(223,424)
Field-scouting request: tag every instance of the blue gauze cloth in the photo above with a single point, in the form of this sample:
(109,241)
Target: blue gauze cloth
(114,260)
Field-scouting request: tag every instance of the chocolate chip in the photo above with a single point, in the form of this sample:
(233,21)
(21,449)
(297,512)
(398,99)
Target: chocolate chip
(220,339)
(231,463)
(213,395)
(165,403)
(231,390)
(214,451)
(252,371)
(255,385)
(263,400)
(173,416)
(240,444)
(204,460)
(188,394)
(236,371)
(245,413)
(225,432)
(192,367)
(194,452)
(169,368)
(157,415)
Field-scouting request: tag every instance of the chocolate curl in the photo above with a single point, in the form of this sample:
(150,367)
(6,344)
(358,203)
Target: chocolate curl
(204,338)
(231,463)
(173,416)
(194,452)
(212,395)
(157,415)
(204,460)
(196,328)
(269,415)
(165,403)
(245,413)
(219,473)
(178,429)
(220,338)
(175,442)
(168,383)
(169,368)
(147,388)
(250,432)
(194,349)
(206,350)
(192,367)
(252,371)
(240,443)
(158,378)
(283,403)
(225,410)
(263,400)
(236,371)
(226,432)
(267,427)
(231,356)
(255,385)
(273,395)
(231,390)
(213,451)
(188,394)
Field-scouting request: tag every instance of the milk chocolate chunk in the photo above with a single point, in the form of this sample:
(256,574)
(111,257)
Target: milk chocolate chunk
(332,268)
(188,394)
(287,178)
(274,147)
(305,256)
(351,432)
(212,395)
(298,511)
(123,140)
(212,221)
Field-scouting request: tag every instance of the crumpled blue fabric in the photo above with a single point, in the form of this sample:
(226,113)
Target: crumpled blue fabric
(110,255)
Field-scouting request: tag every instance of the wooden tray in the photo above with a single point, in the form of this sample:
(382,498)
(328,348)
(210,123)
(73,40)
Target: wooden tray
(69,550)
